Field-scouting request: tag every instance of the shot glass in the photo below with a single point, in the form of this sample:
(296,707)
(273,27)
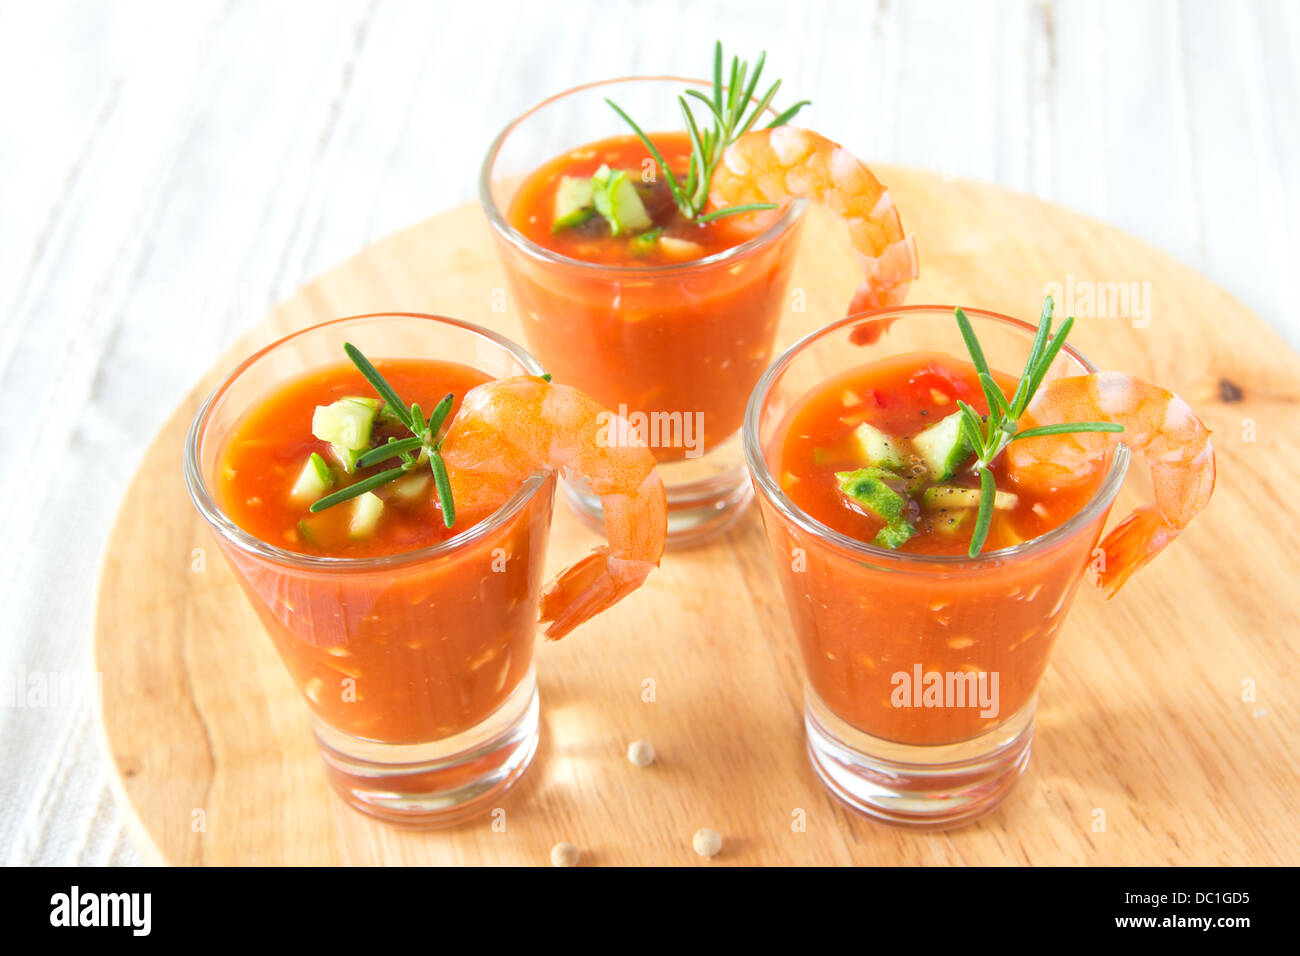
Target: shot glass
(674,348)
(870,620)
(416,668)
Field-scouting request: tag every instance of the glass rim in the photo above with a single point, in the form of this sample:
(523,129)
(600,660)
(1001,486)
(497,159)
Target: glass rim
(222,524)
(501,225)
(772,490)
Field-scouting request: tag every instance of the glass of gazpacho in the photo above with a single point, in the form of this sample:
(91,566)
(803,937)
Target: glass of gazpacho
(922,663)
(407,622)
(673,332)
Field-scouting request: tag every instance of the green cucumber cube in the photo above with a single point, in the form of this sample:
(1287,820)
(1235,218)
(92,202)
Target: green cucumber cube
(346,423)
(894,535)
(950,522)
(365,514)
(574,202)
(947,496)
(644,244)
(616,199)
(412,487)
(308,531)
(869,487)
(943,447)
(315,479)
(878,448)
(346,457)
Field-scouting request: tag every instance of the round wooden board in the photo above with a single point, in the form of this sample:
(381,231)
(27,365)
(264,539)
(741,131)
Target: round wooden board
(1167,726)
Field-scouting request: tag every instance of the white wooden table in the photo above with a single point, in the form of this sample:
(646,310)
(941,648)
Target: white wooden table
(169,171)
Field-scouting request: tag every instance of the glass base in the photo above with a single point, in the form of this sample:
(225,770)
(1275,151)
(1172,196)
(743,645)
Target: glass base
(706,495)
(441,783)
(935,787)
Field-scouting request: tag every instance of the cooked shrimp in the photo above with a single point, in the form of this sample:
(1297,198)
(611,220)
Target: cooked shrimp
(514,427)
(1158,426)
(782,164)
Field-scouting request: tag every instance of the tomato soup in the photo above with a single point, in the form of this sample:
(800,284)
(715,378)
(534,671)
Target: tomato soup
(651,330)
(532,210)
(265,454)
(878,634)
(398,651)
(902,396)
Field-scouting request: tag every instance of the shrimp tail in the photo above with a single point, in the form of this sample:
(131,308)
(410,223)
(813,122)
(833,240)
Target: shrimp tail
(784,163)
(590,586)
(1159,427)
(1130,546)
(514,427)
(635,525)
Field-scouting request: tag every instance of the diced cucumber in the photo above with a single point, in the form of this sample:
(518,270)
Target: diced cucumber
(947,496)
(617,200)
(346,423)
(365,514)
(869,488)
(874,489)
(950,522)
(915,476)
(644,244)
(943,447)
(413,486)
(894,535)
(877,447)
(680,249)
(308,532)
(316,478)
(346,457)
(574,202)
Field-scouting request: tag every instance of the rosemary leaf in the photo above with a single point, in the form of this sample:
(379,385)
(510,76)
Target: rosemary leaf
(443,484)
(736,210)
(972,428)
(1048,357)
(439,414)
(988,490)
(972,344)
(717,78)
(395,448)
(762,104)
(1066,429)
(753,80)
(678,196)
(707,102)
(360,488)
(379,383)
(1020,401)
(994,396)
(785,117)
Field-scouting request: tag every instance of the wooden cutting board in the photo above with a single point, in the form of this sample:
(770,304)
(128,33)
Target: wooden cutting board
(1167,725)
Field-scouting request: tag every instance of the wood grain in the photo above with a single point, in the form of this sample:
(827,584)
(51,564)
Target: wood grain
(1141,715)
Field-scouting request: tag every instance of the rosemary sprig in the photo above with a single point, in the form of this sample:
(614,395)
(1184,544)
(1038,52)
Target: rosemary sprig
(729,108)
(990,434)
(423,443)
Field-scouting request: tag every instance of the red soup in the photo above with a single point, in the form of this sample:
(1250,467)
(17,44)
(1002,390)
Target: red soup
(408,653)
(661,333)
(865,455)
